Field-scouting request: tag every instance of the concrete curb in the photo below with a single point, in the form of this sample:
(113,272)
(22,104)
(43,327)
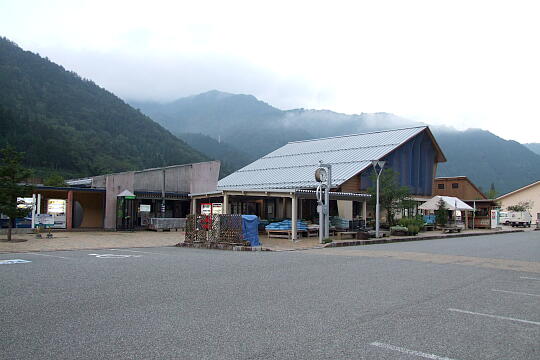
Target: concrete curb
(413,238)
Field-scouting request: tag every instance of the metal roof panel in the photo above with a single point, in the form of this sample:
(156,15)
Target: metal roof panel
(293,165)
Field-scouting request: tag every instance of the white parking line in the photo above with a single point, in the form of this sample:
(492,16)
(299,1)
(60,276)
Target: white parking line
(137,251)
(528,278)
(515,292)
(409,352)
(495,316)
(61,257)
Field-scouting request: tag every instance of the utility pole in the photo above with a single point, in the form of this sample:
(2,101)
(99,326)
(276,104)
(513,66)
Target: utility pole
(380,164)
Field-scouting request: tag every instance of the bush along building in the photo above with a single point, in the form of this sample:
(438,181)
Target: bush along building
(282,184)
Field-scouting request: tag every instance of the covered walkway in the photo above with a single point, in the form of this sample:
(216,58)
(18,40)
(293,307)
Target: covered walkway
(272,204)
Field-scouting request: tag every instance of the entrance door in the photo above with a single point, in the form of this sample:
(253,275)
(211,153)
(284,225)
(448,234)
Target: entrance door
(125,214)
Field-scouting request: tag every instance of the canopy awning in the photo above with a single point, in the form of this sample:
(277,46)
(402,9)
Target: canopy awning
(126,193)
(452,203)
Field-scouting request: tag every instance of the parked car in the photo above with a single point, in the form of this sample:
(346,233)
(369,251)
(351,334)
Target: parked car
(520,218)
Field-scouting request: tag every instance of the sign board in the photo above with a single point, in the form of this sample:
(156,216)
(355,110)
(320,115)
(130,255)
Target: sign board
(217,208)
(206,209)
(45,219)
(25,203)
(56,206)
(494,219)
(145,208)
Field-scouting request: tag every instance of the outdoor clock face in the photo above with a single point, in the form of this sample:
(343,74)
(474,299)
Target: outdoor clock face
(321,175)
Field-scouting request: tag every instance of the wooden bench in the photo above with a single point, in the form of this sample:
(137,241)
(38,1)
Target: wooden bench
(285,234)
(346,233)
(451,229)
(312,232)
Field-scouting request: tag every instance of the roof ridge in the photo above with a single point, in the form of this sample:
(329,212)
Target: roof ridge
(365,133)
(520,189)
(326,151)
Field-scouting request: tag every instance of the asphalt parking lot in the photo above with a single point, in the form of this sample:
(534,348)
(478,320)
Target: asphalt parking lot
(460,298)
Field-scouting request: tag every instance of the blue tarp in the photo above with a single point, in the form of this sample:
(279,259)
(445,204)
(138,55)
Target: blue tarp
(250,228)
(429,219)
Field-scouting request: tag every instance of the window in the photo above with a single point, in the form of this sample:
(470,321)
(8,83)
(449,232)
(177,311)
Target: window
(455,185)
(440,186)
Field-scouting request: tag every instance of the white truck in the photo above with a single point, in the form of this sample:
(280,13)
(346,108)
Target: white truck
(504,218)
(520,218)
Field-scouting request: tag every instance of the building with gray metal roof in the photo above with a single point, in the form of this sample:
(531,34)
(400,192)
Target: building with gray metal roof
(412,152)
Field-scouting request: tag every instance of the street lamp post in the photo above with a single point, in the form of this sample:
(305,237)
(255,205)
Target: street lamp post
(380,164)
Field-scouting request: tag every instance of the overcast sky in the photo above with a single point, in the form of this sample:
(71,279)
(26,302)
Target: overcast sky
(458,63)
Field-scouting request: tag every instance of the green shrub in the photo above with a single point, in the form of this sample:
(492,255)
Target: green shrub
(417,221)
(394,230)
(413,229)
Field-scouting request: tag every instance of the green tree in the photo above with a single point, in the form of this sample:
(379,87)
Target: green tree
(521,206)
(492,193)
(441,214)
(54,179)
(12,177)
(391,194)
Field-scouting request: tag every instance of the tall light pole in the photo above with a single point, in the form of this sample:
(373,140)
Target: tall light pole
(380,164)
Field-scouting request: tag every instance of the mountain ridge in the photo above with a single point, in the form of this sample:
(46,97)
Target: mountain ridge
(262,133)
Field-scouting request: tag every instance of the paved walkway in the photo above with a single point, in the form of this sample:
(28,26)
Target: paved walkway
(91,240)
(111,239)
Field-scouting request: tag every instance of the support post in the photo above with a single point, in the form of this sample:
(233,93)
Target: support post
(193,206)
(294,218)
(474,214)
(364,212)
(33,211)
(163,195)
(225,209)
(69,210)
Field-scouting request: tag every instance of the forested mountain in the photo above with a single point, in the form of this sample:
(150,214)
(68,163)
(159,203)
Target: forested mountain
(72,126)
(534,147)
(230,157)
(486,158)
(256,128)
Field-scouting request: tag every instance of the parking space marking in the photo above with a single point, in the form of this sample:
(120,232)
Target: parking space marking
(137,251)
(408,351)
(14,261)
(528,278)
(56,256)
(114,256)
(495,316)
(515,292)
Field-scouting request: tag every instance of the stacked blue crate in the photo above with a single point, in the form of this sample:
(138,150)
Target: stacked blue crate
(287,225)
(339,222)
